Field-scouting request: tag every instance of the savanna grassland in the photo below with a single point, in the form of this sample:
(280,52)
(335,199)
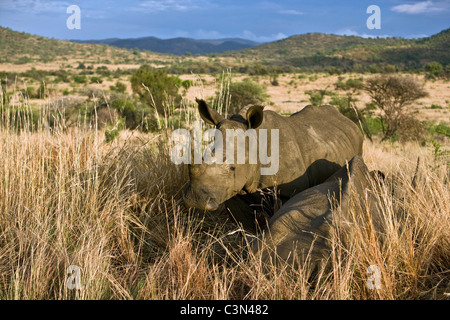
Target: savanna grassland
(86,180)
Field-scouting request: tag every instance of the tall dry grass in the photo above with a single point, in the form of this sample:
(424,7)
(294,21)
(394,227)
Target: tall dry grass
(115,210)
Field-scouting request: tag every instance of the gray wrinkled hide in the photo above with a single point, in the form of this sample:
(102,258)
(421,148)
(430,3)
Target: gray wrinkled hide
(302,225)
(313,144)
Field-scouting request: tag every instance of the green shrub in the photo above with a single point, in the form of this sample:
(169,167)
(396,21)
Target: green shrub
(441,128)
(30,92)
(434,69)
(316,97)
(373,68)
(356,84)
(186,84)
(334,70)
(119,87)
(80,79)
(113,131)
(156,87)
(23,60)
(244,93)
(62,75)
(390,68)
(96,80)
(133,112)
(370,106)
(103,71)
(375,125)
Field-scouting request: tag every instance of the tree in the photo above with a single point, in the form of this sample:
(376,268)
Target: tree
(434,68)
(155,87)
(245,93)
(393,94)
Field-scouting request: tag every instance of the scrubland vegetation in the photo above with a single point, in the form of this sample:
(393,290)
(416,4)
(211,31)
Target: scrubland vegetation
(69,195)
(86,180)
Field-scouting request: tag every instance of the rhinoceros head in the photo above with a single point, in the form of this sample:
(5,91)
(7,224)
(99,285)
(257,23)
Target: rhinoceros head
(211,184)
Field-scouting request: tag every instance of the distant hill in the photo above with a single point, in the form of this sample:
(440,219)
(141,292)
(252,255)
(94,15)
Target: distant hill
(308,52)
(177,46)
(318,50)
(21,47)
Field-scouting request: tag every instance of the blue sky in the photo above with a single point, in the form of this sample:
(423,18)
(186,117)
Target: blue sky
(207,19)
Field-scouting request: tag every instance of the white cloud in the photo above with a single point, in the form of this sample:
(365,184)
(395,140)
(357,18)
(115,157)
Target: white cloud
(34,6)
(291,12)
(251,36)
(350,32)
(152,6)
(417,8)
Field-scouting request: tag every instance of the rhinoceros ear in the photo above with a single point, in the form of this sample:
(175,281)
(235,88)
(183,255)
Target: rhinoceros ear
(255,116)
(208,114)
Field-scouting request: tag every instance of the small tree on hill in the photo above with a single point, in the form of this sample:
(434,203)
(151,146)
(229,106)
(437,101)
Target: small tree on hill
(393,94)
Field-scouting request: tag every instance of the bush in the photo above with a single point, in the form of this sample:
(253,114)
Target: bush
(390,68)
(113,131)
(372,68)
(334,70)
(186,84)
(96,80)
(155,87)
(103,71)
(356,84)
(245,93)
(81,66)
(392,94)
(316,97)
(434,69)
(119,87)
(135,113)
(80,79)
(30,92)
(441,128)
(410,128)
(374,124)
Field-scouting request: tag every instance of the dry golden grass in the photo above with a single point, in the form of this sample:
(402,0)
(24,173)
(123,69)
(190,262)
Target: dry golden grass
(115,210)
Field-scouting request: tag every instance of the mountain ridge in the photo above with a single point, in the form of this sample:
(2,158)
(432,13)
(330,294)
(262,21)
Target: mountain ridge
(308,52)
(328,50)
(178,45)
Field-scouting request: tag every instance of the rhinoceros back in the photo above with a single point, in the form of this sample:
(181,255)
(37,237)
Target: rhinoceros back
(313,144)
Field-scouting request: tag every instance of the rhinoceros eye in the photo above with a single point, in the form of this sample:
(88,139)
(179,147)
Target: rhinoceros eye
(232,168)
